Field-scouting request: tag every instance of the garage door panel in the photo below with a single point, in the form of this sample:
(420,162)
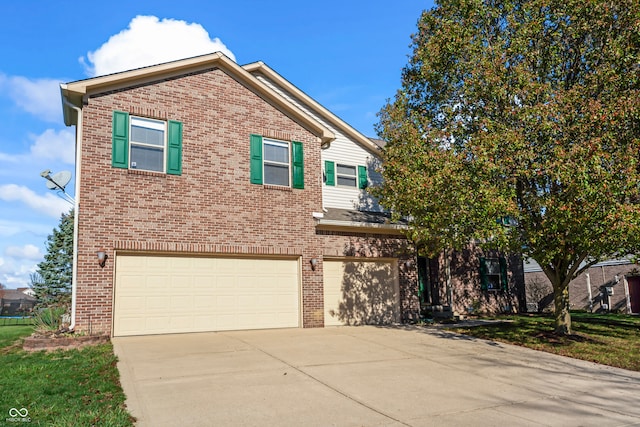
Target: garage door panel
(161,294)
(360,292)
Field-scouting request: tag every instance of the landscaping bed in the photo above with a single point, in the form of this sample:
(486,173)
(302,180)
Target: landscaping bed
(65,342)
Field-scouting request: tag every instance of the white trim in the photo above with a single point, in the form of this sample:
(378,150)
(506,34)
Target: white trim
(159,125)
(282,144)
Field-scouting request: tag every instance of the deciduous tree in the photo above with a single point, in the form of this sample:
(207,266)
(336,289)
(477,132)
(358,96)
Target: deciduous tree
(521,109)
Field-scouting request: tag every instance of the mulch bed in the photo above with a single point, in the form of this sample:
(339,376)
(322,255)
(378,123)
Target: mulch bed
(65,341)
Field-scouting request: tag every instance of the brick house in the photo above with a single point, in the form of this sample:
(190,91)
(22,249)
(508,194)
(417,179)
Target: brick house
(610,285)
(222,197)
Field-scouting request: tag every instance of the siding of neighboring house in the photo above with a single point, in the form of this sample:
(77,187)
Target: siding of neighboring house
(539,292)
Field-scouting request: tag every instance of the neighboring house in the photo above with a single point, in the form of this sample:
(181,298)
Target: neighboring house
(595,290)
(27,291)
(15,302)
(225,198)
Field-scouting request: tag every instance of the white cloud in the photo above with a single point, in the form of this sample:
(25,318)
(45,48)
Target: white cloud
(149,41)
(40,97)
(55,145)
(27,251)
(10,228)
(49,204)
(16,273)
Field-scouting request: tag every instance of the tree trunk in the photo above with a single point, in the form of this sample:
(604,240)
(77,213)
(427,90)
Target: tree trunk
(562,314)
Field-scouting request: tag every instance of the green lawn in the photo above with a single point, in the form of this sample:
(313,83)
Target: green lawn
(13,321)
(60,388)
(609,339)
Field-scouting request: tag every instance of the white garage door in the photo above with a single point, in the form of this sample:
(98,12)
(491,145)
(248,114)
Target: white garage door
(360,292)
(165,294)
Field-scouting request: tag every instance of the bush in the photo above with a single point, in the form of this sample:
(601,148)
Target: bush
(49,319)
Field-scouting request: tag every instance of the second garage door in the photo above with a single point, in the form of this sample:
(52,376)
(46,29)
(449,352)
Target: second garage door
(360,292)
(171,294)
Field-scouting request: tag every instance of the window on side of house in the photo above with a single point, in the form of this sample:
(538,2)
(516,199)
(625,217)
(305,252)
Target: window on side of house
(493,274)
(278,163)
(346,175)
(146,144)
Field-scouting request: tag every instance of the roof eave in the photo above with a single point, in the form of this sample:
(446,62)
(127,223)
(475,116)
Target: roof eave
(331,117)
(361,227)
(75,92)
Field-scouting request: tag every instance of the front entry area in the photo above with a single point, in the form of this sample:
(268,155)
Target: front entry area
(361,292)
(160,294)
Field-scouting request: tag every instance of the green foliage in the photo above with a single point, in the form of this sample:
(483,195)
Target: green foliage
(49,318)
(526,109)
(52,280)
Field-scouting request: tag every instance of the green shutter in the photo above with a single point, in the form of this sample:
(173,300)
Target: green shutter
(330,173)
(174,148)
(297,163)
(504,279)
(484,281)
(363,180)
(256,159)
(120,140)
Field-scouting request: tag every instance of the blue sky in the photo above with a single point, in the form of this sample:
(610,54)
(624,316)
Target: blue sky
(347,55)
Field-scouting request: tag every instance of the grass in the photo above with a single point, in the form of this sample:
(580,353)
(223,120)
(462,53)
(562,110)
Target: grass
(608,339)
(62,388)
(13,321)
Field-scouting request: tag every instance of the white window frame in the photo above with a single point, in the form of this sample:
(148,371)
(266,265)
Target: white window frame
(149,124)
(342,175)
(493,262)
(265,162)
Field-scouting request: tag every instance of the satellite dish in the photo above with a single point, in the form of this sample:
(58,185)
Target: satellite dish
(59,180)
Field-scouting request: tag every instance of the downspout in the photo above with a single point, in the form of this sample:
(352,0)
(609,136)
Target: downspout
(74,274)
(589,291)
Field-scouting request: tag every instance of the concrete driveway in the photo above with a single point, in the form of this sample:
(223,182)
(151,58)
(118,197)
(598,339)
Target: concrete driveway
(365,376)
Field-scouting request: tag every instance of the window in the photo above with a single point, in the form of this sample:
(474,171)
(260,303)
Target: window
(493,274)
(276,162)
(146,144)
(345,175)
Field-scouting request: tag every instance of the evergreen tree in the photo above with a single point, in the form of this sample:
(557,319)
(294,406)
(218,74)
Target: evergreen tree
(52,280)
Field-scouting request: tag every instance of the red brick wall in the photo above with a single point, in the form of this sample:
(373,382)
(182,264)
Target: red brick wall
(211,208)
(468,296)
